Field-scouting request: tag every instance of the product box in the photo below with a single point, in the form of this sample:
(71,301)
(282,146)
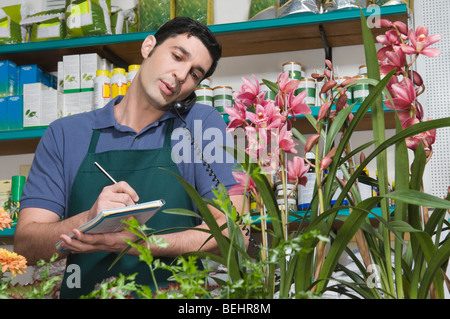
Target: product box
(9,83)
(5,191)
(70,104)
(49,106)
(3,113)
(32,74)
(15,112)
(89,64)
(86,99)
(60,71)
(32,99)
(71,73)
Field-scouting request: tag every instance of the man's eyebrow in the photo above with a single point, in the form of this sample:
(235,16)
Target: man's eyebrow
(188,54)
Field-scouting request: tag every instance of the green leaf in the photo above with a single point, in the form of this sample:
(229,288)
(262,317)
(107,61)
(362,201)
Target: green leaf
(418,198)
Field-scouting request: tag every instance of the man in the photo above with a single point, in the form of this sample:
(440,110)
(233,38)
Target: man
(131,139)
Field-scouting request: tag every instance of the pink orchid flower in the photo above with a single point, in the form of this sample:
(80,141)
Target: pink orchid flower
(286,84)
(297,105)
(296,170)
(267,116)
(426,138)
(250,93)
(404,95)
(420,41)
(257,142)
(285,140)
(246,184)
(238,116)
(394,59)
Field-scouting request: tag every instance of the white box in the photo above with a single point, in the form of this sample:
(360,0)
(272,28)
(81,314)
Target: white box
(70,104)
(71,73)
(89,64)
(60,77)
(32,99)
(49,106)
(86,101)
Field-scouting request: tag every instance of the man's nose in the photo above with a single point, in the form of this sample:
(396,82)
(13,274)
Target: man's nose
(182,73)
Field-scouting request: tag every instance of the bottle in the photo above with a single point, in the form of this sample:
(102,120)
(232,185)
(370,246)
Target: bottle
(305,193)
(118,82)
(102,89)
(132,71)
(365,190)
(17,183)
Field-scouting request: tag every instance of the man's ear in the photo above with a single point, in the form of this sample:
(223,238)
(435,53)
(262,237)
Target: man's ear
(148,45)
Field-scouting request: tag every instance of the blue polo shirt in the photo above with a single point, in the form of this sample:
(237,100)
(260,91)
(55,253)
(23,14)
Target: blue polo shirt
(65,143)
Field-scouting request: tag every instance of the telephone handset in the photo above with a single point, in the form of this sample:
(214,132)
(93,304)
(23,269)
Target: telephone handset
(184,105)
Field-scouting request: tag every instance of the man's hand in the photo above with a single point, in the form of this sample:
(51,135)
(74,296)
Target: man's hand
(88,243)
(113,196)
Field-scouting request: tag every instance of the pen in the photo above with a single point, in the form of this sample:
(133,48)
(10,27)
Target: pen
(105,172)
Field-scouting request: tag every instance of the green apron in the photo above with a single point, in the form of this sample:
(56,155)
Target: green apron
(140,169)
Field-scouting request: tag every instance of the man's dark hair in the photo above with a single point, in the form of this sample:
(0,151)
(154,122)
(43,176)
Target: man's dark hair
(184,25)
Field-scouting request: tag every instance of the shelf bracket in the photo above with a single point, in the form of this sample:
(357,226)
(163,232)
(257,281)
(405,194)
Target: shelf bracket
(328,49)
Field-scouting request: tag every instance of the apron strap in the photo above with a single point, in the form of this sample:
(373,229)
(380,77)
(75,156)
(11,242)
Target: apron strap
(168,137)
(94,140)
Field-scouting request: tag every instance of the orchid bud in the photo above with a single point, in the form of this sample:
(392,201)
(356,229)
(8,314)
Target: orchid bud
(348,81)
(323,111)
(317,76)
(327,73)
(312,140)
(385,23)
(332,152)
(416,78)
(329,64)
(328,86)
(362,157)
(342,100)
(401,27)
(325,162)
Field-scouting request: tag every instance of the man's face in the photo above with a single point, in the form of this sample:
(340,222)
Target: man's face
(173,70)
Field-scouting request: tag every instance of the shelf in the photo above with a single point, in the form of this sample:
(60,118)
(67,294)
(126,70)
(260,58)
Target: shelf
(291,33)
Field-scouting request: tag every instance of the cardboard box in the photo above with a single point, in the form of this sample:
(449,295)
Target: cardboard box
(86,101)
(70,104)
(49,106)
(71,73)
(89,64)
(15,112)
(32,99)
(32,73)
(60,84)
(9,78)
(3,113)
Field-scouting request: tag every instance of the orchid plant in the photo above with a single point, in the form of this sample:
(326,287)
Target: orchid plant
(267,122)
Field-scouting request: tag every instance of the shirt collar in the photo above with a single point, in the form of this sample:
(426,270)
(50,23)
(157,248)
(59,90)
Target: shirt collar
(105,118)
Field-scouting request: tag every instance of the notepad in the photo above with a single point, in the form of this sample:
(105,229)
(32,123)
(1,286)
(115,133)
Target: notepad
(110,220)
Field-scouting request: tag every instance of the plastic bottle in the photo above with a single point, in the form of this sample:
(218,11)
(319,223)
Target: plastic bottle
(118,82)
(365,190)
(132,71)
(102,89)
(305,193)
(17,183)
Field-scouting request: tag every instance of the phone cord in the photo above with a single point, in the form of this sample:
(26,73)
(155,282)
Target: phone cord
(215,179)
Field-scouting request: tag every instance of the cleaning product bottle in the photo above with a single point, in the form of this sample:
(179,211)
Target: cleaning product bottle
(118,82)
